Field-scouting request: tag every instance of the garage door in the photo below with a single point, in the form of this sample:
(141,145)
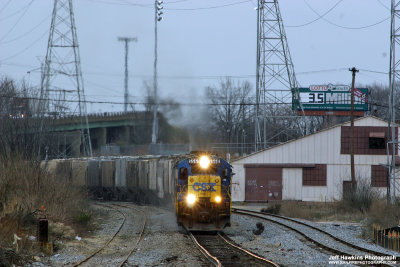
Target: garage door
(263,184)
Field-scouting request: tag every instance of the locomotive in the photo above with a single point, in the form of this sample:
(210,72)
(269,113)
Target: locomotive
(203,192)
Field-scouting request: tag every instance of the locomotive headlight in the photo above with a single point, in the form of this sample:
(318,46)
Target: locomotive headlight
(190,199)
(218,199)
(204,162)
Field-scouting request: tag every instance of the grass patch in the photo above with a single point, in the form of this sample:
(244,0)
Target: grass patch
(24,189)
(83,217)
(315,211)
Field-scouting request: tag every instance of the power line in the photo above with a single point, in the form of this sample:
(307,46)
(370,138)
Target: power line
(119,4)
(27,32)
(16,12)
(4,7)
(18,20)
(382,4)
(194,77)
(374,71)
(26,48)
(209,7)
(346,27)
(177,9)
(320,17)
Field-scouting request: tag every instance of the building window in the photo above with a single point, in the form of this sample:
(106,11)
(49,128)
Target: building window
(315,176)
(377,140)
(368,140)
(376,143)
(378,176)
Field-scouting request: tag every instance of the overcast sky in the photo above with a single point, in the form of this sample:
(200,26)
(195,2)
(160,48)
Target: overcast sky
(199,41)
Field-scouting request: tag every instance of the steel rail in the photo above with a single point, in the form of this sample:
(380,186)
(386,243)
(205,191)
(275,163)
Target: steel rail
(116,233)
(139,239)
(262,215)
(247,252)
(205,252)
(107,243)
(218,260)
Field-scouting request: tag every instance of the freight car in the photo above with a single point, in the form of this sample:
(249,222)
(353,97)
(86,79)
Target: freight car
(148,179)
(203,193)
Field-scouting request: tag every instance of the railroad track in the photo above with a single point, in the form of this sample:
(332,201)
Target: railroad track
(222,252)
(319,237)
(131,250)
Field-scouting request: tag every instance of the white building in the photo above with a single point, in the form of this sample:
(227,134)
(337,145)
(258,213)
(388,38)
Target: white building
(315,167)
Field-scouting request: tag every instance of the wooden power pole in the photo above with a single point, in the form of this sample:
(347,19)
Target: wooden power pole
(353,172)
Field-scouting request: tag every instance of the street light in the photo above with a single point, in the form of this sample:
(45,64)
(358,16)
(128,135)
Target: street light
(157,18)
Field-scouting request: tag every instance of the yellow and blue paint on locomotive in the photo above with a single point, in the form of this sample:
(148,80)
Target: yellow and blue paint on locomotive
(203,201)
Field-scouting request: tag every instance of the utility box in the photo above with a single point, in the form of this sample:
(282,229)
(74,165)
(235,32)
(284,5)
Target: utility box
(43,230)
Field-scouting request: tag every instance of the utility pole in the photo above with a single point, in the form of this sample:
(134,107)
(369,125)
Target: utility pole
(394,79)
(157,18)
(126,94)
(353,172)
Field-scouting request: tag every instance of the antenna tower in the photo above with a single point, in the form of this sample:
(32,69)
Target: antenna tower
(394,79)
(275,75)
(62,87)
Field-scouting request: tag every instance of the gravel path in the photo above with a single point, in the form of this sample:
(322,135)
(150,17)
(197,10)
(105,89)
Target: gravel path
(162,244)
(351,233)
(275,243)
(320,237)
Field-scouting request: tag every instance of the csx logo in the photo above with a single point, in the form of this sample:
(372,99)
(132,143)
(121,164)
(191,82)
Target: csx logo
(204,187)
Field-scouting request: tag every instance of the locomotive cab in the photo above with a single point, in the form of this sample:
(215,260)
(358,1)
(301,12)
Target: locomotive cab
(203,200)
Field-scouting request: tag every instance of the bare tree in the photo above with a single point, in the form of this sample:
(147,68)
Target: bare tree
(229,108)
(21,125)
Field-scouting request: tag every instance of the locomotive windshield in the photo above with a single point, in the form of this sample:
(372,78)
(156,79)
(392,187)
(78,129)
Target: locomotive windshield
(204,165)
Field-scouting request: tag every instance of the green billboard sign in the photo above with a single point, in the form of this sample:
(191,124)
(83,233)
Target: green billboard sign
(330,98)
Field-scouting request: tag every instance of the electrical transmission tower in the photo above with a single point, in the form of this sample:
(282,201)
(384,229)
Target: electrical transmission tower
(275,72)
(394,79)
(126,94)
(62,88)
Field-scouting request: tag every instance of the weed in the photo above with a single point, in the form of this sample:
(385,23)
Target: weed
(83,217)
(273,209)
(360,198)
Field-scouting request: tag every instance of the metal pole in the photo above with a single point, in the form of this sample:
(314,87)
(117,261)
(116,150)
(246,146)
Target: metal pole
(256,122)
(126,77)
(244,141)
(155,106)
(393,75)
(126,94)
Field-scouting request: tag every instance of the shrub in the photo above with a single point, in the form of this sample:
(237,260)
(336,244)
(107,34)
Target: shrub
(24,188)
(360,198)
